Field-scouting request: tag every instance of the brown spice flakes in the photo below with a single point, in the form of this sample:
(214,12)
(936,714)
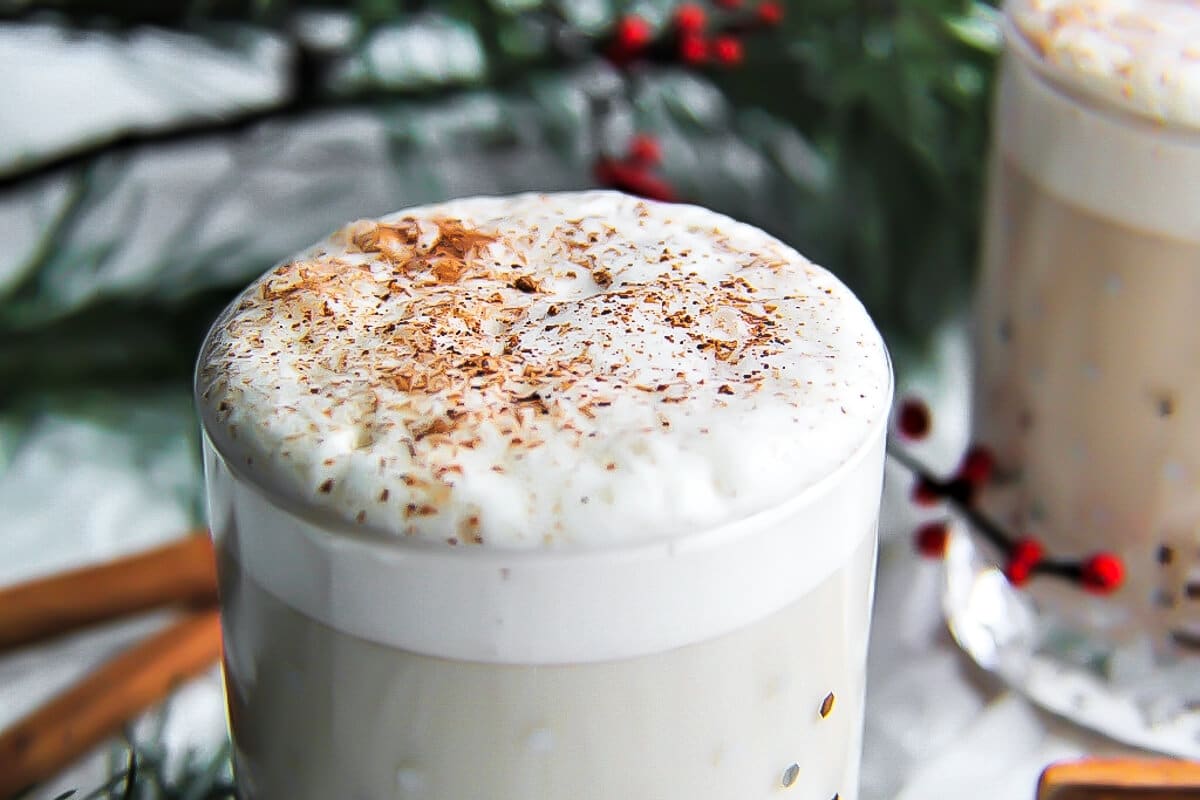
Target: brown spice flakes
(422,510)
(602,277)
(384,495)
(448,271)
(437,425)
(680,319)
(827,705)
(326,487)
(361,517)
(388,238)
(526,284)
(457,240)
(725,388)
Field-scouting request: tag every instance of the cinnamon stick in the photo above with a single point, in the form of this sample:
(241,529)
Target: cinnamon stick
(1121,779)
(182,572)
(54,735)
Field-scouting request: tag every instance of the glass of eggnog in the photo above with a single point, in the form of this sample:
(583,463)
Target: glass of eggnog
(1086,337)
(546,497)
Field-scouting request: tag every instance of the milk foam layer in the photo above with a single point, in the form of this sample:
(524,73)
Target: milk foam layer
(1135,173)
(549,606)
(571,370)
(1139,55)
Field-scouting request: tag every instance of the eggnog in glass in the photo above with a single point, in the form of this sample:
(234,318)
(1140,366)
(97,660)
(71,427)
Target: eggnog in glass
(545,497)
(1088,382)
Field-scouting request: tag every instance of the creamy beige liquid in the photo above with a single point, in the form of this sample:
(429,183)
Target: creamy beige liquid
(1088,390)
(320,714)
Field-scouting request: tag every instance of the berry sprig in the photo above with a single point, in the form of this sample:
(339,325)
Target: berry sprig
(1024,556)
(695,36)
(634,173)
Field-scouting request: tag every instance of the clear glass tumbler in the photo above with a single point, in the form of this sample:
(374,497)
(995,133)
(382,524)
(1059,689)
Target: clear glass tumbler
(725,663)
(726,666)
(1087,390)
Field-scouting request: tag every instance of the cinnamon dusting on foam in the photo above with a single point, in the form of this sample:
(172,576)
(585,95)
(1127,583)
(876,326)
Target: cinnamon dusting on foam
(546,369)
(1140,55)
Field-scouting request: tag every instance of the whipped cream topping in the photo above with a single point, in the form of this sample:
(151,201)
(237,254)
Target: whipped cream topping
(1140,55)
(577,369)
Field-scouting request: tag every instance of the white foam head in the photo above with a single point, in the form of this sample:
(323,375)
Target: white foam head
(1140,55)
(544,370)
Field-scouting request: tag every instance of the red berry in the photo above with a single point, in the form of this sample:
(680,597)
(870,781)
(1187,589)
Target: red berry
(633,33)
(931,539)
(914,420)
(1025,555)
(727,50)
(926,493)
(977,465)
(1027,551)
(645,149)
(1103,573)
(770,13)
(633,179)
(690,18)
(1018,572)
(693,49)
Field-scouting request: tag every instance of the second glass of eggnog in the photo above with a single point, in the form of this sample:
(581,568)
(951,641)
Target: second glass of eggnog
(1087,343)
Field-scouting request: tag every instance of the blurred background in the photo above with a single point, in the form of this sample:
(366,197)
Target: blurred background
(156,156)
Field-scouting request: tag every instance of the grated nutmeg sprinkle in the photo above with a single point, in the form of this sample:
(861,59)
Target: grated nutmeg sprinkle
(459,372)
